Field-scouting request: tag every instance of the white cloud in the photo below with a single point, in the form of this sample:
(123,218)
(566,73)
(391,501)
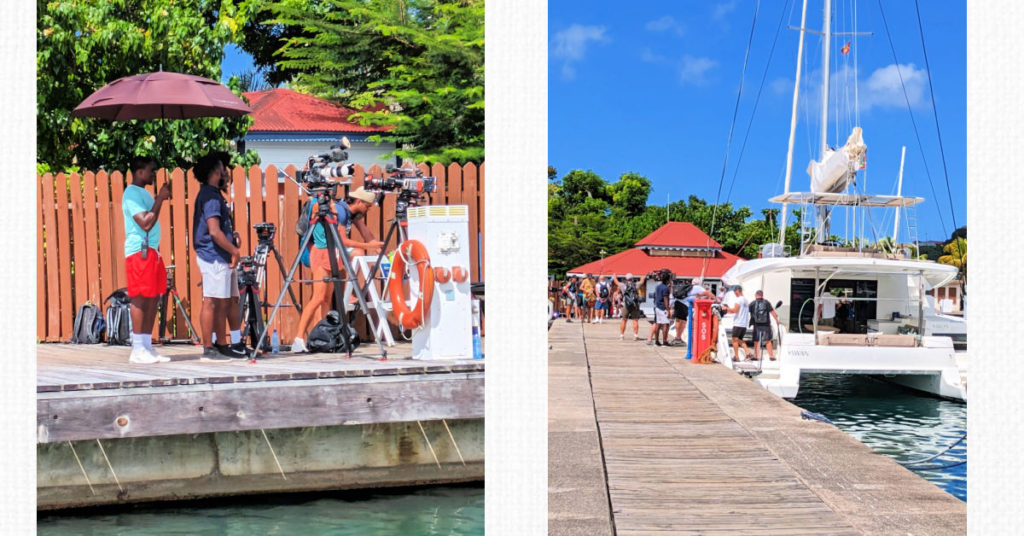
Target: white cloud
(649,56)
(722,9)
(693,70)
(570,45)
(884,89)
(666,23)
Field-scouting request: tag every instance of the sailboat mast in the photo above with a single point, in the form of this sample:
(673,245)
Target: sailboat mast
(792,122)
(822,227)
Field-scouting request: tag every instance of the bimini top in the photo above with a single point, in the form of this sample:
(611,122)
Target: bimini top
(846,200)
(935,274)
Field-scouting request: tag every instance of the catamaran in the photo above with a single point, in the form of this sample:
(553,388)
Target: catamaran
(886,325)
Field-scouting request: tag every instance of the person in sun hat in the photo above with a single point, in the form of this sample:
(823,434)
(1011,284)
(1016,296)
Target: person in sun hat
(349,213)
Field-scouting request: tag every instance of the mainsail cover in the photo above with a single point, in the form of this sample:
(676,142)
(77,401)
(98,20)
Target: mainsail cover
(838,168)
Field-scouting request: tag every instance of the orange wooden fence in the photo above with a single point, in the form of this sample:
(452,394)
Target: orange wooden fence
(80,248)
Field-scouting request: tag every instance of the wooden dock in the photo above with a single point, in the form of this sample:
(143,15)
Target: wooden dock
(641,441)
(337,422)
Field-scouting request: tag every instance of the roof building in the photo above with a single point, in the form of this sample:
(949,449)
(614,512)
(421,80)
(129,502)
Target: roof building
(289,126)
(679,246)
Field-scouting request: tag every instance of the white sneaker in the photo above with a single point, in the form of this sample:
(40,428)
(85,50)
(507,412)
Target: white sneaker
(636,337)
(620,336)
(142,357)
(298,345)
(159,358)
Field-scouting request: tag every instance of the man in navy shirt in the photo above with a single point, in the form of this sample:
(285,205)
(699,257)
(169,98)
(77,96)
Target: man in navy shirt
(661,299)
(217,254)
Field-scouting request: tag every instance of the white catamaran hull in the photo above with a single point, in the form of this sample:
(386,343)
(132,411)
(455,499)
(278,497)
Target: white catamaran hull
(931,368)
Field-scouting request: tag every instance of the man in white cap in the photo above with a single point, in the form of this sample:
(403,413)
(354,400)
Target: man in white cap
(349,213)
(697,290)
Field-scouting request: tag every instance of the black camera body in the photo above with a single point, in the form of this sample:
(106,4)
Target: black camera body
(265,232)
(247,271)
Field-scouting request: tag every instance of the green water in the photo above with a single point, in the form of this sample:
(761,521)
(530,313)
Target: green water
(436,511)
(894,421)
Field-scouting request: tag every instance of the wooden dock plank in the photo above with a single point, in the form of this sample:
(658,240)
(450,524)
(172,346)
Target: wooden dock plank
(692,449)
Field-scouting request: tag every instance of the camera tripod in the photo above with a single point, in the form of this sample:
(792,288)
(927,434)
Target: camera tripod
(398,226)
(335,249)
(162,312)
(252,277)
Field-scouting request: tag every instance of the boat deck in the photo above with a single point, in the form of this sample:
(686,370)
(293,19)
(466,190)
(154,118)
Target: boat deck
(642,442)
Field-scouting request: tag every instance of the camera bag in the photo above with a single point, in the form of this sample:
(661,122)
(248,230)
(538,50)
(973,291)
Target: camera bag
(119,318)
(329,335)
(89,325)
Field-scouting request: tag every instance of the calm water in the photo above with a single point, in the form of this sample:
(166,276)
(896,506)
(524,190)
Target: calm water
(441,511)
(893,421)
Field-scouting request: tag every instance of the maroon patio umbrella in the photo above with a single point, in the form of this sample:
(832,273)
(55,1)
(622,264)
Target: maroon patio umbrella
(161,95)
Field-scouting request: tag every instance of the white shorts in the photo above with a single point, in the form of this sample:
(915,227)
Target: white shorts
(219,279)
(660,316)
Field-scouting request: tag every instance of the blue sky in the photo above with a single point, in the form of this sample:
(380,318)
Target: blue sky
(652,90)
(236,61)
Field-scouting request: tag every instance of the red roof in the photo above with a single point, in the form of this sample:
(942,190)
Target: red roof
(284,110)
(678,234)
(636,261)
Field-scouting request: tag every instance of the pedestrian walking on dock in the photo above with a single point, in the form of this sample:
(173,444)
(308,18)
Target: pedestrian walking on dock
(603,298)
(144,269)
(661,305)
(761,313)
(587,287)
(572,288)
(680,312)
(217,253)
(630,304)
(736,306)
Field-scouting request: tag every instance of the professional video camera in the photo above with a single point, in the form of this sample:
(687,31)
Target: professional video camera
(247,268)
(319,172)
(265,232)
(403,181)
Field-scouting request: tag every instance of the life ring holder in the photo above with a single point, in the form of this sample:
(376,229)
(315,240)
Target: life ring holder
(411,253)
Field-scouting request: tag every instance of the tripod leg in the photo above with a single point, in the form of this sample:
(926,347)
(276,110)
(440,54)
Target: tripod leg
(286,287)
(161,310)
(355,284)
(188,322)
(291,293)
(380,256)
(333,244)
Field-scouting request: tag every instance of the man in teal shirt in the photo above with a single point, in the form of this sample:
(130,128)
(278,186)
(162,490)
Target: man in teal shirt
(145,271)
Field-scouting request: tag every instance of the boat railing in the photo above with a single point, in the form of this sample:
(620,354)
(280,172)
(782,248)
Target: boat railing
(818,329)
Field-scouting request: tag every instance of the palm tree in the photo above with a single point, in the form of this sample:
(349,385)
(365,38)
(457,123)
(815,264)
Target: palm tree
(956,255)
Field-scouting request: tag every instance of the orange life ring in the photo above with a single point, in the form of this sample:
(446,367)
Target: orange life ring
(414,252)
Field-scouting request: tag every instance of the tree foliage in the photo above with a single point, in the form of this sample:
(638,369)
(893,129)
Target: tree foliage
(81,46)
(956,254)
(586,214)
(423,59)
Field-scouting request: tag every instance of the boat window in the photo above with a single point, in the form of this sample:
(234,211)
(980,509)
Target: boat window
(851,317)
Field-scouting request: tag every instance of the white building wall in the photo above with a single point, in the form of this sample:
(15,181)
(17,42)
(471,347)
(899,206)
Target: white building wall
(284,153)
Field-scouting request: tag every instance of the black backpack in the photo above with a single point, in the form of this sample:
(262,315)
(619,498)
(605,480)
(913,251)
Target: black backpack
(681,290)
(89,325)
(604,291)
(630,297)
(119,318)
(329,335)
(759,311)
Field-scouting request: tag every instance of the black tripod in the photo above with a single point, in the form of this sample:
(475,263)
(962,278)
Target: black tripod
(162,312)
(252,275)
(328,222)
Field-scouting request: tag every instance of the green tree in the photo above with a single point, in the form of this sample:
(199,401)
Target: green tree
(416,66)
(81,46)
(956,255)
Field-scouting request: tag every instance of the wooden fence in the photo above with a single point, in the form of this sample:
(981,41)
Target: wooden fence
(80,248)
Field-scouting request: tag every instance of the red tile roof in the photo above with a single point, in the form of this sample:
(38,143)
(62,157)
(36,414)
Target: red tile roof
(635,261)
(678,234)
(284,110)
(673,234)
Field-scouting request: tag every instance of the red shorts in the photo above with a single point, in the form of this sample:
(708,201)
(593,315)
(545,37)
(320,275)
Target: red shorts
(146,277)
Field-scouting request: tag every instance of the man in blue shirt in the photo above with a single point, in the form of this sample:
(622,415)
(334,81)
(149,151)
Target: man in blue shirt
(217,254)
(144,269)
(661,302)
